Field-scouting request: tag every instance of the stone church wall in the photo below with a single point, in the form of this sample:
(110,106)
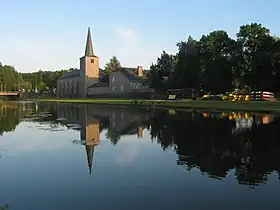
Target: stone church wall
(98,90)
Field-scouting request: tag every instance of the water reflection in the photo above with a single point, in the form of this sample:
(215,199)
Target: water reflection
(92,120)
(218,144)
(10,114)
(3,207)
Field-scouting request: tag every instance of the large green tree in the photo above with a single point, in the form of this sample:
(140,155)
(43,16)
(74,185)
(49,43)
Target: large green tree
(216,51)
(112,65)
(276,66)
(10,79)
(187,69)
(162,72)
(256,62)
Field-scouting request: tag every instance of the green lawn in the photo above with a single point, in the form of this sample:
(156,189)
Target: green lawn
(195,104)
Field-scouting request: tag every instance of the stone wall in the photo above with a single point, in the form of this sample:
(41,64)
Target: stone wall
(68,87)
(98,90)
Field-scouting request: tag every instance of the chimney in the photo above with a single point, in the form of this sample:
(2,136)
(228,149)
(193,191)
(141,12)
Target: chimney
(139,132)
(139,71)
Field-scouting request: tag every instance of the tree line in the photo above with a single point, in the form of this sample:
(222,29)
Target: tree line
(12,80)
(218,63)
(43,80)
(215,63)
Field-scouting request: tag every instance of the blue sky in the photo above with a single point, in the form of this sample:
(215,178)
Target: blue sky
(51,35)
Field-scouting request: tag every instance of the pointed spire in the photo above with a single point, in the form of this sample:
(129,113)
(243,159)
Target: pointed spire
(89,48)
(89,151)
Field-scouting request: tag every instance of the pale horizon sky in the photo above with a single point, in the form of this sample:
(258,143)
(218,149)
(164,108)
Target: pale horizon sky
(51,35)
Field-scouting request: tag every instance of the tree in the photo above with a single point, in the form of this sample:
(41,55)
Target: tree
(216,55)
(41,86)
(276,66)
(187,68)
(112,65)
(256,43)
(162,72)
(49,78)
(26,85)
(10,78)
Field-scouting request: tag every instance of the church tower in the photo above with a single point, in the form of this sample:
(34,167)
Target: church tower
(89,68)
(90,133)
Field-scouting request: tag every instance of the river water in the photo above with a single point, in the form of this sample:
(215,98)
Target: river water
(68,156)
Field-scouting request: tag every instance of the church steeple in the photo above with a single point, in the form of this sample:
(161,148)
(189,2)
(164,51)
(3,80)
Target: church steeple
(89,48)
(89,151)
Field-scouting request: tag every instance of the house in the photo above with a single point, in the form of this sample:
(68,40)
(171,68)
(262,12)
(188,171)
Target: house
(88,80)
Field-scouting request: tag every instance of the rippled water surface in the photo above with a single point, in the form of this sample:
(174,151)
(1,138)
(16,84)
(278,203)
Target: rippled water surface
(67,156)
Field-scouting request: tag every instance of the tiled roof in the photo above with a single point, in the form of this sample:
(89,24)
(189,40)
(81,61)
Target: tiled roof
(70,74)
(131,73)
(76,73)
(100,84)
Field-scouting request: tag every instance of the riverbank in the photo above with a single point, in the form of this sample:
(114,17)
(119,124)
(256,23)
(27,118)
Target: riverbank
(260,106)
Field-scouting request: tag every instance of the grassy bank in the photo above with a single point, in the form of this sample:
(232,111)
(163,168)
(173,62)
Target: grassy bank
(214,105)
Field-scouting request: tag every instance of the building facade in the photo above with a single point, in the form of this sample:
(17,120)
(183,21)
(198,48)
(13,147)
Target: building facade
(88,80)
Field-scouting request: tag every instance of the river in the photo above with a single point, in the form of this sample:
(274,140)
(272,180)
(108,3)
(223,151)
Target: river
(69,156)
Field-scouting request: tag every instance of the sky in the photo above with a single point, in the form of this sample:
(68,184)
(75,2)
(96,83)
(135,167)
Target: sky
(51,35)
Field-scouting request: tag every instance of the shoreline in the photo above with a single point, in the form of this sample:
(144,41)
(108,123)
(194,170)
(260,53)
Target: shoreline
(257,106)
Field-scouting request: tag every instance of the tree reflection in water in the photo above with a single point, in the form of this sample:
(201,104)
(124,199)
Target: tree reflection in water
(217,144)
(4,207)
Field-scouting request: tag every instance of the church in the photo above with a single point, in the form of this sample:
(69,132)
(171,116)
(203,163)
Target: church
(88,80)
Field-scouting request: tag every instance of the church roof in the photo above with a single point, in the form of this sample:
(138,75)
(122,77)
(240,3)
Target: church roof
(70,74)
(89,48)
(131,73)
(76,73)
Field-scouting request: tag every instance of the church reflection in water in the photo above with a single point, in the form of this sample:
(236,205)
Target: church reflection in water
(216,143)
(93,120)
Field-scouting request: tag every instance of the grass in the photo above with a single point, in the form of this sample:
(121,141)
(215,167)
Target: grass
(264,106)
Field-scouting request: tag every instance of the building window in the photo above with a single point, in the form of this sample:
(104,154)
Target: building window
(113,88)
(121,88)
(113,79)
(92,60)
